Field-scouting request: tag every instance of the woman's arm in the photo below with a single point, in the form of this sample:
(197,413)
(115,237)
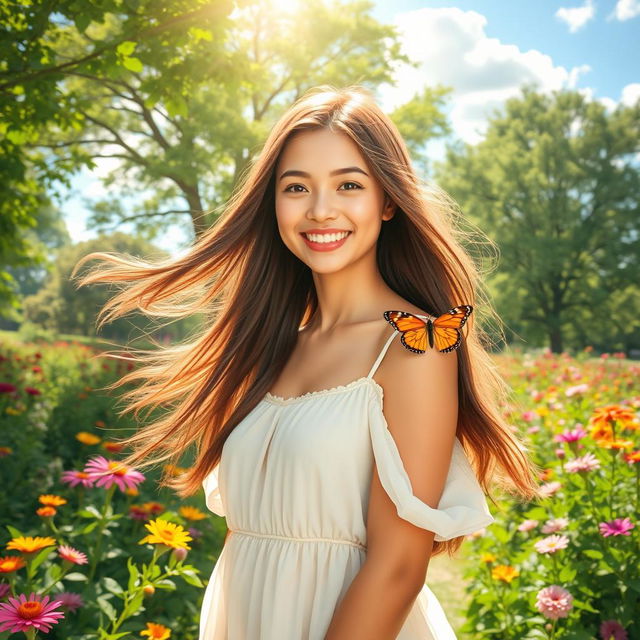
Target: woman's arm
(421,411)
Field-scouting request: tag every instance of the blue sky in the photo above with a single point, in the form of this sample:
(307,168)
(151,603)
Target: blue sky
(484,50)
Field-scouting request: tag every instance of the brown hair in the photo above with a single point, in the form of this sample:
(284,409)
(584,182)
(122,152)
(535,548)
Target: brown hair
(255,295)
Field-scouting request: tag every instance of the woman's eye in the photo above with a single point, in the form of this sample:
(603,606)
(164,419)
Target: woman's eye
(292,187)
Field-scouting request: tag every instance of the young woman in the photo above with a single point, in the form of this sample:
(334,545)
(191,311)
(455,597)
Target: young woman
(336,401)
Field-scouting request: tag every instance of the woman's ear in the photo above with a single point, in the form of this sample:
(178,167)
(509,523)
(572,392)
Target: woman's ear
(388,208)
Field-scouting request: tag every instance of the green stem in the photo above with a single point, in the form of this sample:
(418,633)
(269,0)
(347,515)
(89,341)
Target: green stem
(95,555)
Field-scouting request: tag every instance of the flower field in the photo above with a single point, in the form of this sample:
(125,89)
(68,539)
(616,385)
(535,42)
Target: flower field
(92,549)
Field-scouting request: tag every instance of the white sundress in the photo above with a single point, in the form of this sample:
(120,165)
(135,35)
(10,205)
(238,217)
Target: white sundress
(293,483)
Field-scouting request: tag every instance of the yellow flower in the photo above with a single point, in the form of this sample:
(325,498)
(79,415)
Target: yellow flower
(156,631)
(488,557)
(173,470)
(623,417)
(87,438)
(191,513)
(52,500)
(167,533)
(614,444)
(13,412)
(27,544)
(504,572)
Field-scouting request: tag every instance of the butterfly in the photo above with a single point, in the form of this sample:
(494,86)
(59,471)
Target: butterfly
(442,331)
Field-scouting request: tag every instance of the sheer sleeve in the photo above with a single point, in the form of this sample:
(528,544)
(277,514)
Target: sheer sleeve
(212,492)
(462,508)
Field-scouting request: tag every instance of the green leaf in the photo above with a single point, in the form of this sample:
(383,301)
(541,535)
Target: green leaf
(76,577)
(133,574)
(40,557)
(15,533)
(190,577)
(89,512)
(112,586)
(593,553)
(82,21)
(134,605)
(90,527)
(132,64)
(126,48)
(106,607)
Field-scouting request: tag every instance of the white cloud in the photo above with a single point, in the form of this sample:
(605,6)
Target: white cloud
(453,49)
(576,17)
(626,9)
(630,94)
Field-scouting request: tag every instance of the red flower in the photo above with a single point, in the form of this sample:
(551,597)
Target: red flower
(7,387)
(31,391)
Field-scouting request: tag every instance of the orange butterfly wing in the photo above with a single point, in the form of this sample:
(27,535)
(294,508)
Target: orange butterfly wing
(446,328)
(414,330)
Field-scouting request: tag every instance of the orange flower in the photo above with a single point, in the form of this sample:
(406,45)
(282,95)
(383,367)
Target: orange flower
(11,563)
(27,544)
(156,631)
(87,438)
(614,413)
(504,572)
(52,499)
(615,444)
(46,512)
(632,457)
(154,507)
(113,447)
(191,513)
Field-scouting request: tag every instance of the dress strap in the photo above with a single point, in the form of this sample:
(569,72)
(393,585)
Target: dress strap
(381,354)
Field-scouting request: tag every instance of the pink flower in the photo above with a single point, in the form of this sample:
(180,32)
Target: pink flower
(74,478)
(533,429)
(551,526)
(549,488)
(72,555)
(527,525)
(571,435)
(554,602)
(70,600)
(551,544)
(612,630)
(560,453)
(579,388)
(587,462)
(24,614)
(107,472)
(617,527)
(528,416)
(4,589)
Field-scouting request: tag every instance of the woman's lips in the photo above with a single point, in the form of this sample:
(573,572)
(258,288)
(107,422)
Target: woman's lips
(324,246)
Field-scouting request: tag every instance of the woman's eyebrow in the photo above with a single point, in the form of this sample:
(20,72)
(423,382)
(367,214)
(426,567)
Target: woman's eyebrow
(336,172)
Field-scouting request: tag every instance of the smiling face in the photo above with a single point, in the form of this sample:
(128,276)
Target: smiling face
(326,191)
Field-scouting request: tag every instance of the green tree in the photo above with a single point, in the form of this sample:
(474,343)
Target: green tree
(555,183)
(62,308)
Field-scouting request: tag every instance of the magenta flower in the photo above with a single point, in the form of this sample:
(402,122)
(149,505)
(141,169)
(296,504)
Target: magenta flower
(24,614)
(74,478)
(551,544)
(527,525)
(528,416)
(70,600)
(72,555)
(7,387)
(107,472)
(587,462)
(612,630)
(617,527)
(4,589)
(32,391)
(554,602)
(572,435)
(551,526)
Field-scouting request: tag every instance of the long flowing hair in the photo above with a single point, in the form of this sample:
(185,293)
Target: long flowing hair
(255,294)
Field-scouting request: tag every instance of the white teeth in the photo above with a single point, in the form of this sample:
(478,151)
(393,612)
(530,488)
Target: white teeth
(326,237)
